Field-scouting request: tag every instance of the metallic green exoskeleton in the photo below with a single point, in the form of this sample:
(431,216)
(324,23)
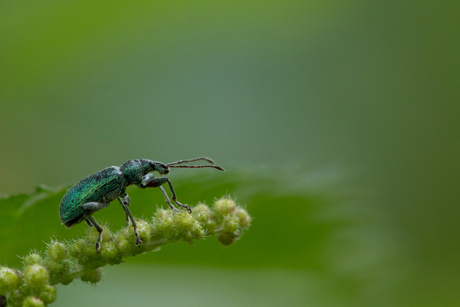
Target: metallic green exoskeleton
(96,191)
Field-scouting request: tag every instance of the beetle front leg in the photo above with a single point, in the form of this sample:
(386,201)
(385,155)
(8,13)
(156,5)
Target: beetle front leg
(125,203)
(174,198)
(151,182)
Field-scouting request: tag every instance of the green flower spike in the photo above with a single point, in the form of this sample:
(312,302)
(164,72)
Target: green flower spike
(65,261)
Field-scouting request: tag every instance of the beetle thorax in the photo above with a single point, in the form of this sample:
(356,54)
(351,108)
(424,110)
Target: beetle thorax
(134,170)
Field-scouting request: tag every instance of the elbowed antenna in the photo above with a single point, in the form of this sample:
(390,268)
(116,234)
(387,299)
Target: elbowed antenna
(174,164)
(197,166)
(193,160)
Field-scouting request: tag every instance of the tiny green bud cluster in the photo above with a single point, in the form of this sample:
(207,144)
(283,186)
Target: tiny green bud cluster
(48,294)
(30,288)
(93,276)
(225,206)
(231,220)
(36,276)
(65,261)
(33,258)
(57,251)
(32,301)
(9,280)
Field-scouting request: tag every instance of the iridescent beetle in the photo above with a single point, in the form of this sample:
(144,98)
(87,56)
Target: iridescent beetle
(96,191)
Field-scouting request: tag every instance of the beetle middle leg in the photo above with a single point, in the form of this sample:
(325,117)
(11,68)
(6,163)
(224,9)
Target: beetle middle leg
(89,220)
(88,209)
(125,203)
(167,199)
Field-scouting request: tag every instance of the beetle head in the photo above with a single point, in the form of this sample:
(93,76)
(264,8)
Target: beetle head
(160,167)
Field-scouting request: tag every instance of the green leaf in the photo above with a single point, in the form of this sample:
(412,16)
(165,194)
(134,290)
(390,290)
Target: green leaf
(32,219)
(295,222)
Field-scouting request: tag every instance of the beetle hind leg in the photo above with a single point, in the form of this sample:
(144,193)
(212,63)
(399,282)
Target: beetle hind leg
(90,208)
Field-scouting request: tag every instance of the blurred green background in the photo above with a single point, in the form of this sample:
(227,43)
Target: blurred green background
(336,121)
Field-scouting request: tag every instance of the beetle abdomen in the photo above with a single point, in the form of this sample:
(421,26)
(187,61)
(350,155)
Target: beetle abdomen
(104,185)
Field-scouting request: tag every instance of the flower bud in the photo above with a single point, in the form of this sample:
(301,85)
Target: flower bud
(93,276)
(60,268)
(184,222)
(32,258)
(36,276)
(89,253)
(143,229)
(67,280)
(25,290)
(224,206)
(227,238)
(201,213)
(56,251)
(122,244)
(32,301)
(109,252)
(230,223)
(153,229)
(48,294)
(76,249)
(162,215)
(9,280)
(243,216)
(186,227)
(16,298)
(197,234)
(164,222)
(106,234)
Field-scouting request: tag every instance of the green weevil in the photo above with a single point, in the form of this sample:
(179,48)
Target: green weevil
(96,191)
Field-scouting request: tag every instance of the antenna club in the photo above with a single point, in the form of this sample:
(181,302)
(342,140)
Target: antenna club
(210,160)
